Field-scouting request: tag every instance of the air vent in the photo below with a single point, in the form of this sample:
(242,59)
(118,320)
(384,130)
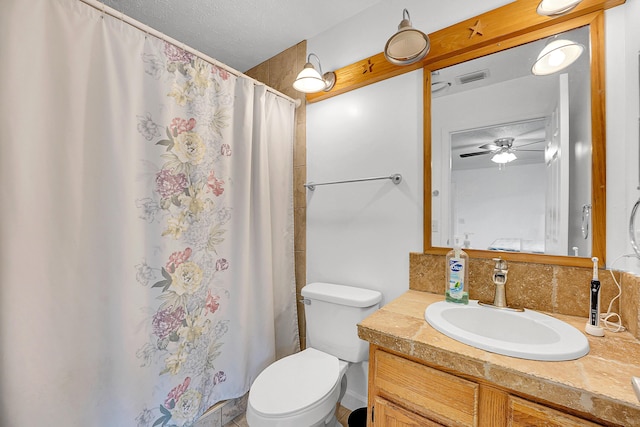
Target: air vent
(472,77)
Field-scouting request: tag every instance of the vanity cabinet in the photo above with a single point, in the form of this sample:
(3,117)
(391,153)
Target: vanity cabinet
(408,393)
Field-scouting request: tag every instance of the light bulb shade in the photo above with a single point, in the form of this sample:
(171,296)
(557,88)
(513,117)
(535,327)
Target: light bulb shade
(503,157)
(556,55)
(408,45)
(309,80)
(556,7)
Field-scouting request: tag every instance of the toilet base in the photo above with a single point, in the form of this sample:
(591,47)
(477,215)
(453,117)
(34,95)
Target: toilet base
(333,422)
(329,421)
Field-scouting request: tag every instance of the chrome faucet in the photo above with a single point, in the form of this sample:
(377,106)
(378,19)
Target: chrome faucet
(500,271)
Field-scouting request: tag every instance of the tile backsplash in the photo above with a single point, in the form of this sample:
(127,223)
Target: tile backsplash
(549,288)
(630,307)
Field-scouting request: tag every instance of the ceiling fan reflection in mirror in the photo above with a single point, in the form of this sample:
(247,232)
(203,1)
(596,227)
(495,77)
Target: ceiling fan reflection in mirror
(503,149)
(522,140)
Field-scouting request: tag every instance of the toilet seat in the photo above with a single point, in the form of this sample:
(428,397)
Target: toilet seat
(295,383)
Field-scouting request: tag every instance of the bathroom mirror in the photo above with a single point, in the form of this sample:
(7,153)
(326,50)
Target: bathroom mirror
(545,202)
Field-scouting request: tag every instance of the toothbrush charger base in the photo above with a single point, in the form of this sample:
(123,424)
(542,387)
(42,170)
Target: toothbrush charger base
(596,331)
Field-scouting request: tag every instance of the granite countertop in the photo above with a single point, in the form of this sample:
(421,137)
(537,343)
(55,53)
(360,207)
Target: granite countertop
(598,383)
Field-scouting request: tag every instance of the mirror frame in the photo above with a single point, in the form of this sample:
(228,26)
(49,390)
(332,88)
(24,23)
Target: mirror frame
(598,131)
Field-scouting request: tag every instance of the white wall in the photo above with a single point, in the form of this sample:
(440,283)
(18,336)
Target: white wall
(513,197)
(361,234)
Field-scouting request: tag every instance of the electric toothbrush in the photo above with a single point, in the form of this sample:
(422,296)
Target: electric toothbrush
(593,325)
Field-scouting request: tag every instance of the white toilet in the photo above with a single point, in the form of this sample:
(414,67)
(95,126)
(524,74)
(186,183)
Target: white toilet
(302,390)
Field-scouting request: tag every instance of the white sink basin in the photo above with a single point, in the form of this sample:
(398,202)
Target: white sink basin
(527,335)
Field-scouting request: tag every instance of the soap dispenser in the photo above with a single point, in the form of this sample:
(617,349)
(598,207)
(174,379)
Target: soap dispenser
(457,275)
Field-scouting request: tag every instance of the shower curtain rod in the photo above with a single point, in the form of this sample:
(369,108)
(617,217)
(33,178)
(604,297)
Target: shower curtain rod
(396,178)
(148,30)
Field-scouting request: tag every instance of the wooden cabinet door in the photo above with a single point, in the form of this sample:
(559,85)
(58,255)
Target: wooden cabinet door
(420,389)
(387,414)
(523,413)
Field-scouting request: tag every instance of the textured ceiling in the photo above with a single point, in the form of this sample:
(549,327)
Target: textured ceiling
(240,33)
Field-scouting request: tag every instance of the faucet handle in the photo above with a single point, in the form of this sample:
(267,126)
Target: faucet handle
(500,273)
(501,265)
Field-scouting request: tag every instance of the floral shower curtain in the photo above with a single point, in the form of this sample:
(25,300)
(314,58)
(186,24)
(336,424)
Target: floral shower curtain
(146,228)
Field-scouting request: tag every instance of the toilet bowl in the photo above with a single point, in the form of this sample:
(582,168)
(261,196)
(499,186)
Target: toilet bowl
(302,390)
(296,391)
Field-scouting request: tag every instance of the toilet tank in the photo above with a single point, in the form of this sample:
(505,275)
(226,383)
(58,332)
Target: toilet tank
(332,313)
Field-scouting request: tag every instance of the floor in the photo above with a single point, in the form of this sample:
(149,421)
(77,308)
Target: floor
(343,416)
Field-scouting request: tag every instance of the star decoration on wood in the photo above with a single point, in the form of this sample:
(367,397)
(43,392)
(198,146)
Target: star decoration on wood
(476,29)
(368,67)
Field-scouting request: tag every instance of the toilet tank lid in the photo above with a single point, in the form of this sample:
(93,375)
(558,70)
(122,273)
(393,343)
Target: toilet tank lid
(341,294)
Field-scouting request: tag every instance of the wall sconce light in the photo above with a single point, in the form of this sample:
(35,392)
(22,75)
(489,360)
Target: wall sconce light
(556,7)
(310,80)
(408,45)
(557,55)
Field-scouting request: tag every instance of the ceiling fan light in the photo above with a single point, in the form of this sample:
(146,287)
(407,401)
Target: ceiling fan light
(556,7)
(555,56)
(502,157)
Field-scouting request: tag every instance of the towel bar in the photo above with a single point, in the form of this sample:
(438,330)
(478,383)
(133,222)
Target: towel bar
(396,178)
